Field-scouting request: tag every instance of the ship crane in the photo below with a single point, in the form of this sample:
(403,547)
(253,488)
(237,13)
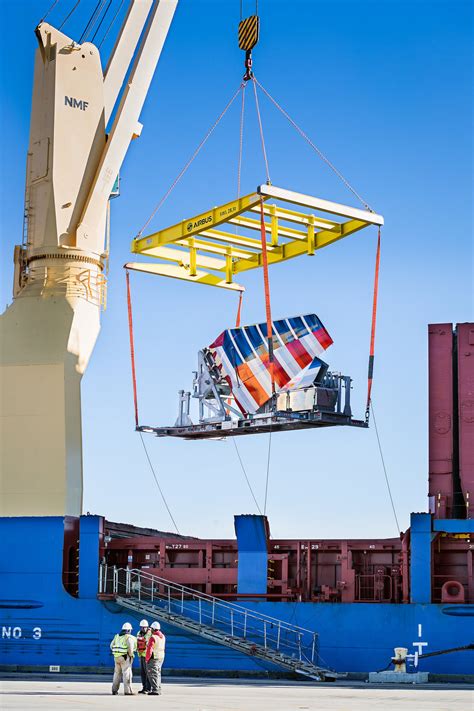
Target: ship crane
(49,331)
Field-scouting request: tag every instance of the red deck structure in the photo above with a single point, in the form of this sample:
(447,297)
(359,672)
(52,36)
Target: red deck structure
(465,406)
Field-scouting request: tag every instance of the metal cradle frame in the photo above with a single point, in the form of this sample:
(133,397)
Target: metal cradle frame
(196,251)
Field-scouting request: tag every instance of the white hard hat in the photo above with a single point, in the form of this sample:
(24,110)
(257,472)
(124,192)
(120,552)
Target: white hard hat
(155,626)
(127,626)
(144,623)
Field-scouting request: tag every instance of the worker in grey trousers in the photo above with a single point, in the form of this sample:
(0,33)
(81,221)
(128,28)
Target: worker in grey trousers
(155,655)
(123,647)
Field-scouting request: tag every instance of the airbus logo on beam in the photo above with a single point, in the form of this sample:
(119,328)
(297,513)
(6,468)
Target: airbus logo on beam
(199,223)
(76,103)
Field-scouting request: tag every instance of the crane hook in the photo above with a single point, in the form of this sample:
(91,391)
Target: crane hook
(248,66)
(249,30)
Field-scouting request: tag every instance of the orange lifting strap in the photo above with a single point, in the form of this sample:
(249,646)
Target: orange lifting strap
(266,284)
(239,310)
(370,374)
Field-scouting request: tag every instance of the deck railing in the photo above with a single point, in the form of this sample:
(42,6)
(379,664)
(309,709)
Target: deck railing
(237,621)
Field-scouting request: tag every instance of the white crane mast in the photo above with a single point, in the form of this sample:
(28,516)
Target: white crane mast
(49,331)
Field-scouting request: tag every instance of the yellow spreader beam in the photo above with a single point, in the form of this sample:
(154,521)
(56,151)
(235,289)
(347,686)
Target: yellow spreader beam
(195,244)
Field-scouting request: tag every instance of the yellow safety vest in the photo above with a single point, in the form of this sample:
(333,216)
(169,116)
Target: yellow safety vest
(120,644)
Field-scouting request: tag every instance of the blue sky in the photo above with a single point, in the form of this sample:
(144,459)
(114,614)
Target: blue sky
(383,88)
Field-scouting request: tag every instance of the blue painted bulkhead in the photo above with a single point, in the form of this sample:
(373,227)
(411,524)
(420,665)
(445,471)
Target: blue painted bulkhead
(41,624)
(252,543)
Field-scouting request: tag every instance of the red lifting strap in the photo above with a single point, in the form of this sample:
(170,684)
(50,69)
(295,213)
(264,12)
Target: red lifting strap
(266,284)
(372,331)
(239,310)
(132,347)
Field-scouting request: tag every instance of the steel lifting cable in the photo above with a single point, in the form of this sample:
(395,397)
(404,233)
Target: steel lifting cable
(132,346)
(313,146)
(112,22)
(260,125)
(96,20)
(92,20)
(241,138)
(69,14)
(268,472)
(88,24)
(53,5)
(384,468)
(194,155)
(246,476)
(101,20)
(158,484)
(239,176)
(241,8)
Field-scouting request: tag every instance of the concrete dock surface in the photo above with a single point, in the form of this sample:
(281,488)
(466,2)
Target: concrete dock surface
(183,694)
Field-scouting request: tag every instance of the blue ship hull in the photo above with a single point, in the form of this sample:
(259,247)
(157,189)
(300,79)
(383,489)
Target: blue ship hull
(42,625)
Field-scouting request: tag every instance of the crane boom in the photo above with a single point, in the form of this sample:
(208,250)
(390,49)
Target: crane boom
(125,125)
(122,53)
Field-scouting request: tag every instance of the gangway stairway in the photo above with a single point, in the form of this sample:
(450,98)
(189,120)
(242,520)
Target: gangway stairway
(226,623)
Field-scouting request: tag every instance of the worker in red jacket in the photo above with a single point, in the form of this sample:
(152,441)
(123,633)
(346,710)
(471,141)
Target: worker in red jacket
(155,654)
(142,641)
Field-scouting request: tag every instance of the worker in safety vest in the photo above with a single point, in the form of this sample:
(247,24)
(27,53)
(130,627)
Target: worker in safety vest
(123,647)
(155,654)
(142,641)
